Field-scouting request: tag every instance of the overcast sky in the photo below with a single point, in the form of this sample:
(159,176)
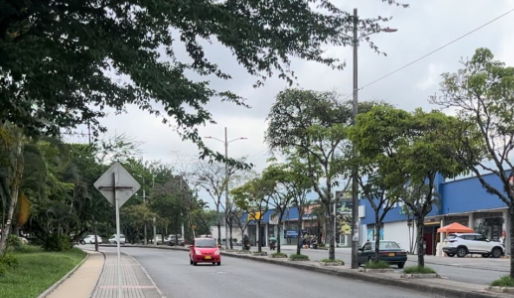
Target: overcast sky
(423,27)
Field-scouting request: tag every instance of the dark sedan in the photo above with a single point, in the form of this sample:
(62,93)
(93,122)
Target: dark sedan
(389,251)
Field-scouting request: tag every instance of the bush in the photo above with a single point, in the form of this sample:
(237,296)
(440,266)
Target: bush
(377,265)
(504,281)
(332,261)
(57,242)
(14,242)
(296,257)
(279,254)
(418,270)
(321,245)
(7,261)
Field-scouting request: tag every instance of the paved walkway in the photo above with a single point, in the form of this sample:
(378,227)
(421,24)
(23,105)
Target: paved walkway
(135,281)
(83,281)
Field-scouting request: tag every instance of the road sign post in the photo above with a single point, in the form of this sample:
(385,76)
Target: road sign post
(117,186)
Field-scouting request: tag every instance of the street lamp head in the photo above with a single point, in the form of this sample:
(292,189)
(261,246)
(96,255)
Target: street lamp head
(389,30)
(243,138)
(208,137)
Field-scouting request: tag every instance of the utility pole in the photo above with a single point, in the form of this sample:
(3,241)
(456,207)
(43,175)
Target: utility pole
(227,199)
(94,219)
(227,203)
(355,185)
(355,169)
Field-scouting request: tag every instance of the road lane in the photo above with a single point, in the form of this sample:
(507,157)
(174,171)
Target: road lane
(243,278)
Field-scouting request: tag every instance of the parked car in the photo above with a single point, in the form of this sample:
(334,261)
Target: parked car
(461,244)
(389,251)
(171,239)
(112,240)
(90,239)
(204,250)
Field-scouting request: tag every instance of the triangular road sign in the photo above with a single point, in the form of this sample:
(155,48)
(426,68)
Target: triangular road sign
(126,186)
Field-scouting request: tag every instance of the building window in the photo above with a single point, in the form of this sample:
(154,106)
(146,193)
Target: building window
(489,224)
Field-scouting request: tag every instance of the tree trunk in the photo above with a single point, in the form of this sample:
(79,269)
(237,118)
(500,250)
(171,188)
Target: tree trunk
(420,224)
(511,219)
(377,238)
(278,234)
(329,223)
(299,246)
(15,185)
(259,246)
(219,232)
(230,233)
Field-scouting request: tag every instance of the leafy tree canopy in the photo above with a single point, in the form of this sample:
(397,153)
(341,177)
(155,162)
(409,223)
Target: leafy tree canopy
(65,61)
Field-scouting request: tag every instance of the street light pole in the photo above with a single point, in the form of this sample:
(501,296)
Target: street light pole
(355,186)
(355,169)
(227,199)
(227,203)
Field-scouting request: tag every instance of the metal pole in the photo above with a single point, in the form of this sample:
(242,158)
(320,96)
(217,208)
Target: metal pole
(117,233)
(94,220)
(355,186)
(154,232)
(144,201)
(227,206)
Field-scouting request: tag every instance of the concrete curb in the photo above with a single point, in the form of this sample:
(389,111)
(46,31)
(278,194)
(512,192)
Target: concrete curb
(64,278)
(376,279)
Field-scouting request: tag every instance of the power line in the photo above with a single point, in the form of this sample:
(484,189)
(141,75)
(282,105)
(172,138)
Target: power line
(432,52)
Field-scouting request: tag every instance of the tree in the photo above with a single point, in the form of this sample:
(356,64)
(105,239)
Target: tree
(315,125)
(381,196)
(412,153)
(11,174)
(288,183)
(211,177)
(482,93)
(87,46)
(254,199)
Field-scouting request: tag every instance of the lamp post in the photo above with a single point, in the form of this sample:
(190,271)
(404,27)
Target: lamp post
(355,186)
(227,201)
(144,201)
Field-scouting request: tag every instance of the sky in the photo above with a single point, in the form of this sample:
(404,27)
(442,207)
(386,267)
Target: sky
(424,26)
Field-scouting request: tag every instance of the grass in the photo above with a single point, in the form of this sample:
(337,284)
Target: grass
(37,270)
(418,270)
(332,261)
(279,254)
(504,281)
(377,265)
(296,257)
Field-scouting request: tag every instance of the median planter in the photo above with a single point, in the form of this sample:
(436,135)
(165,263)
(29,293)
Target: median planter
(419,272)
(328,262)
(503,285)
(296,257)
(278,256)
(380,270)
(262,253)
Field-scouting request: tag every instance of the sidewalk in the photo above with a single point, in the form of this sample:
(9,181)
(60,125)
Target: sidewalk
(135,281)
(96,278)
(83,281)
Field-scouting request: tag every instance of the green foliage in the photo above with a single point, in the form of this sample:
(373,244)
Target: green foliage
(56,242)
(377,265)
(279,255)
(418,270)
(332,261)
(37,271)
(321,245)
(84,44)
(7,262)
(14,242)
(296,257)
(504,281)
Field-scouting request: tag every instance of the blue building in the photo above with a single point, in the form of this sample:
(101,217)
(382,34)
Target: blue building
(464,201)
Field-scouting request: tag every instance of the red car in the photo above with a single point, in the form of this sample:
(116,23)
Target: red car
(204,250)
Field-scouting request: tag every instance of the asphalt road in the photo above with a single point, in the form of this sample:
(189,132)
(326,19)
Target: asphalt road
(237,278)
(470,270)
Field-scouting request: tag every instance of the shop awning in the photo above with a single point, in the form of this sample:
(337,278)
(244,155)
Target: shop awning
(455,228)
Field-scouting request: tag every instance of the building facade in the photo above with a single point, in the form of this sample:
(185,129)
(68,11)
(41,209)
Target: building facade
(464,201)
